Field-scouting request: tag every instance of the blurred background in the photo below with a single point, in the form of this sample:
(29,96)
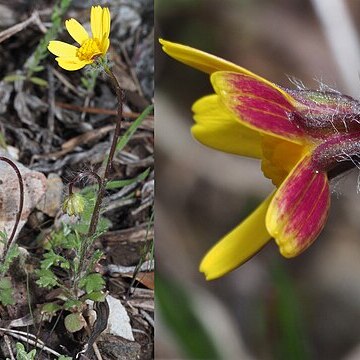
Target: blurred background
(270,308)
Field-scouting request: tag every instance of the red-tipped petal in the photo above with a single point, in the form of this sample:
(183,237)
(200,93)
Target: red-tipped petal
(299,209)
(257,104)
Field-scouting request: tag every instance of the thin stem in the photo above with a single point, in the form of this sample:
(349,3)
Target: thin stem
(83,175)
(103,181)
(11,239)
(120,96)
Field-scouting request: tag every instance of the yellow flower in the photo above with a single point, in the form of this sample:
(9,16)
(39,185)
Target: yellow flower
(303,138)
(70,57)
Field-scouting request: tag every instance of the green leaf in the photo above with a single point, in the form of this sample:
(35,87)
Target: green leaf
(13,253)
(5,284)
(38,68)
(50,308)
(14,77)
(72,304)
(92,282)
(74,322)
(65,264)
(38,81)
(121,183)
(6,296)
(47,278)
(52,259)
(62,357)
(95,296)
(131,130)
(21,354)
(71,241)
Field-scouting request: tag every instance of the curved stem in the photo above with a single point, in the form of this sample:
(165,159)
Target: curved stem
(83,175)
(11,239)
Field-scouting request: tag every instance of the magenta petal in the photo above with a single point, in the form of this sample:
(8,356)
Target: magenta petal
(257,104)
(299,209)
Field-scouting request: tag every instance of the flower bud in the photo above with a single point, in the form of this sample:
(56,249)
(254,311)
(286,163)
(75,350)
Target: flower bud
(74,204)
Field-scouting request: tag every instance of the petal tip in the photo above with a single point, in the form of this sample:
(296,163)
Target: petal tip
(288,250)
(209,275)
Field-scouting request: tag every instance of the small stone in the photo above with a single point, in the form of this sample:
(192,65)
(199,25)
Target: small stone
(34,189)
(116,348)
(119,321)
(51,202)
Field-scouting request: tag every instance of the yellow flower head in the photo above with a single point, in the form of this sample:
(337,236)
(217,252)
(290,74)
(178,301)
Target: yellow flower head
(70,57)
(304,138)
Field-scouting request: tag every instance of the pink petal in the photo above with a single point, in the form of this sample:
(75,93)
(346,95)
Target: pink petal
(298,212)
(257,104)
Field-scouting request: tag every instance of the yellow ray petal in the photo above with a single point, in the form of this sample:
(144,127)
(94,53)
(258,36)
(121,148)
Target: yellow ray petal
(73,63)
(76,31)
(96,21)
(210,63)
(62,49)
(198,59)
(217,128)
(279,157)
(105,45)
(239,245)
(105,23)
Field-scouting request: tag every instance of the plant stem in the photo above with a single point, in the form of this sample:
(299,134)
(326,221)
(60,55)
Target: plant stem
(11,239)
(84,175)
(102,181)
(120,96)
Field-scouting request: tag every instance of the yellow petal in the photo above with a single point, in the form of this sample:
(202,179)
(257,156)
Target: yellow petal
(210,63)
(77,31)
(217,128)
(105,22)
(96,21)
(105,45)
(279,157)
(72,63)
(197,59)
(63,49)
(239,245)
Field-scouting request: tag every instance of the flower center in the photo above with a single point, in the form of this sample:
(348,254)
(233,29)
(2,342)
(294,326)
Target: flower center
(89,49)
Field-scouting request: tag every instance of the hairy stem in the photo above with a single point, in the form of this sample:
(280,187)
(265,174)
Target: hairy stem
(83,175)
(120,96)
(102,181)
